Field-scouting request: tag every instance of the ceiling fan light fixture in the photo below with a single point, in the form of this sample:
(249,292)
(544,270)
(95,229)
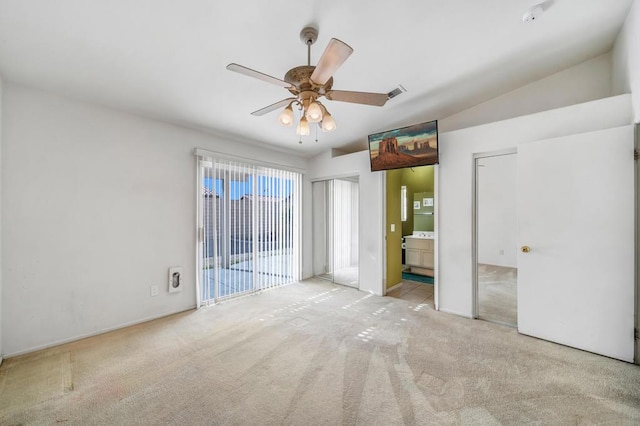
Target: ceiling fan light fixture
(308,84)
(328,123)
(314,112)
(303,127)
(286,117)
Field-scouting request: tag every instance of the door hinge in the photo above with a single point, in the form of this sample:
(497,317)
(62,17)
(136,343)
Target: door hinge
(636,154)
(200,234)
(635,334)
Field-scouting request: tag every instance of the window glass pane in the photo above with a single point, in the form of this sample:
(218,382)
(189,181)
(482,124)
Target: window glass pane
(403,203)
(251,230)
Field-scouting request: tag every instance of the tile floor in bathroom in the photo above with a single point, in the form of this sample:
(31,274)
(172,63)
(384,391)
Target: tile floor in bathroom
(497,294)
(414,292)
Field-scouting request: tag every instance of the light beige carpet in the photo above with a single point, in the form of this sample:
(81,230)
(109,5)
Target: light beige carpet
(317,353)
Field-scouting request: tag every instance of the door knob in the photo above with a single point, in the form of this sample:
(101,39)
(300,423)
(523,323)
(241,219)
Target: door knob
(525,249)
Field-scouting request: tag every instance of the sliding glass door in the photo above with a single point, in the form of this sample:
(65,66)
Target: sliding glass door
(248,228)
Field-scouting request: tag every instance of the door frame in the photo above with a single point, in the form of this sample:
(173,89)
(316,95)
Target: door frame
(474,220)
(208,159)
(436,215)
(637,246)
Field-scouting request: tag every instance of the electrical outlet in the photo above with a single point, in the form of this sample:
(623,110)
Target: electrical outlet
(154,290)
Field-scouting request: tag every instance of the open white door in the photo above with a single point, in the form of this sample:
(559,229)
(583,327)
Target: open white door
(576,214)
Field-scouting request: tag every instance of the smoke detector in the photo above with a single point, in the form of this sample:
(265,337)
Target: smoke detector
(533,13)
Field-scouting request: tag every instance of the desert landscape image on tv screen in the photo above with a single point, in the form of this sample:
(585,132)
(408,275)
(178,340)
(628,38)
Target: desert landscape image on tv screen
(410,146)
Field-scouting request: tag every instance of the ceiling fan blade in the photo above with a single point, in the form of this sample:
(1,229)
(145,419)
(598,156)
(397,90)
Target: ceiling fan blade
(332,58)
(273,107)
(257,74)
(366,98)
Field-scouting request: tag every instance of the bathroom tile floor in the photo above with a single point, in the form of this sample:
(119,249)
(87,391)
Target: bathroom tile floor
(497,294)
(414,292)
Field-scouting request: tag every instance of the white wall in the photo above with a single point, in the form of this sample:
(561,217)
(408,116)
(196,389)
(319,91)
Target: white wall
(626,59)
(371,227)
(455,180)
(96,206)
(587,81)
(626,79)
(496,205)
(584,82)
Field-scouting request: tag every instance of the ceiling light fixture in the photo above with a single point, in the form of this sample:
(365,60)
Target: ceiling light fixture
(286,116)
(303,127)
(314,112)
(327,124)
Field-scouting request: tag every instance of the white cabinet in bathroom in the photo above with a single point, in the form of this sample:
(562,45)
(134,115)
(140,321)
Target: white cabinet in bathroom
(413,257)
(420,255)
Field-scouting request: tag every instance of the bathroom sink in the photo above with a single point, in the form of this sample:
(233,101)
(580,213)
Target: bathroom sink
(423,234)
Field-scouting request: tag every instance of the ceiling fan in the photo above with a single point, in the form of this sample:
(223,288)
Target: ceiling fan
(308,83)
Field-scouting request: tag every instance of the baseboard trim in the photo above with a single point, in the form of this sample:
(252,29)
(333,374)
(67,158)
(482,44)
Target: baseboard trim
(96,333)
(448,311)
(393,288)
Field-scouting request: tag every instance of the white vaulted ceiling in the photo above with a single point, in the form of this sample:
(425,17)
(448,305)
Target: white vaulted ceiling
(166,59)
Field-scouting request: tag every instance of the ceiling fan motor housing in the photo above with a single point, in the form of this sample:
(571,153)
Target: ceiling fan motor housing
(300,79)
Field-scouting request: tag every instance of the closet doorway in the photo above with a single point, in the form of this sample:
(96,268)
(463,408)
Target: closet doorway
(574,240)
(335,230)
(496,238)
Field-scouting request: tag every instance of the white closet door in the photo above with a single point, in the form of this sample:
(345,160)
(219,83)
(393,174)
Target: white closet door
(576,213)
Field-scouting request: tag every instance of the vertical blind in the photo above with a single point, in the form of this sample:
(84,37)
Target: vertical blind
(249,228)
(345,224)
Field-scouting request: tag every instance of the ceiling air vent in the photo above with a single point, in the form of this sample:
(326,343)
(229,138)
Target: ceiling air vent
(397,91)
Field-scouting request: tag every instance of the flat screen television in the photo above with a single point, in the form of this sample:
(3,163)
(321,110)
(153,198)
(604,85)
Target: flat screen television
(410,146)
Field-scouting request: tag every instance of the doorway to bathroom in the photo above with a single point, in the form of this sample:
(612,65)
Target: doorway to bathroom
(335,230)
(495,222)
(410,234)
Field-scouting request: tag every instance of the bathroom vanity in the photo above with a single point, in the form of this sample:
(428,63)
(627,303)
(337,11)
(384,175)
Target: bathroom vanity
(420,252)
